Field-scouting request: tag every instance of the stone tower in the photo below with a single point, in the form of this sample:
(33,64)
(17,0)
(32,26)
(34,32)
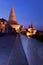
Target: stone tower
(12,17)
(13,21)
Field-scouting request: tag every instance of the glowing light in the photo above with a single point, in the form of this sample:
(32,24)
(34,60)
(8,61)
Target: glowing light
(16,27)
(34,32)
(28,34)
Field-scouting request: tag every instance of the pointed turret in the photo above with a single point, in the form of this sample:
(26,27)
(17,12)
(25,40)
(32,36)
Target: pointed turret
(12,17)
(12,20)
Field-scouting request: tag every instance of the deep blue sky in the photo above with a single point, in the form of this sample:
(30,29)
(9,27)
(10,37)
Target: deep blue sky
(27,11)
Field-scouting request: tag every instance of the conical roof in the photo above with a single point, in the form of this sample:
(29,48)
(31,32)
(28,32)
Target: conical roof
(12,17)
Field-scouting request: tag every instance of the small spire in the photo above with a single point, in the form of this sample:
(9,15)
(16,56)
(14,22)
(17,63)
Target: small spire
(12,16)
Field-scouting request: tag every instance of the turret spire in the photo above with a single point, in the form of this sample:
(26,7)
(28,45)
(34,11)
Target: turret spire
(12,16)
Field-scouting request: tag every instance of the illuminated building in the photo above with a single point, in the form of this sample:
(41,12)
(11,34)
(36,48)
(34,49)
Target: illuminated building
(3,23)
(12,20)
(23,29)
(11,24)
(31,31)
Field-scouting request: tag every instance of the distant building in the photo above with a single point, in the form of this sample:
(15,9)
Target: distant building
(12,20)
(31,31)
(12,25)
(3,23)
(22,29)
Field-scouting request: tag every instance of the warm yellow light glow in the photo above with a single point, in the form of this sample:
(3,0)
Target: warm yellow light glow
(29,29)
(2,26)
(28,34)
(31,33)
(34,32)
(5,23)
(16,27)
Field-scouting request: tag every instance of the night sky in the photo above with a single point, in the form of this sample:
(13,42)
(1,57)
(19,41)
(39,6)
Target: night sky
(27,11)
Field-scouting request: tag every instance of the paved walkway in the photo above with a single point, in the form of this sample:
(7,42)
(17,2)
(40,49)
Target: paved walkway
(11,51)
(33,50)
(20,50)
